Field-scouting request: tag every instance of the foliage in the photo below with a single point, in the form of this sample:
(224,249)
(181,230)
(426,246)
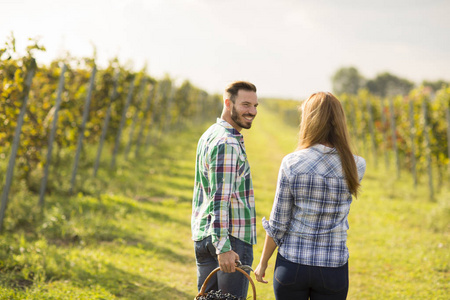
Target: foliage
(386,84)
(370,124)
(435,85)
(168,104)
(13,71)
(369,119)
(347,80)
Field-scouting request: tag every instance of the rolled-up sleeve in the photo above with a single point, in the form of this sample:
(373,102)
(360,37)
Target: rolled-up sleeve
(281,214)
(223,169)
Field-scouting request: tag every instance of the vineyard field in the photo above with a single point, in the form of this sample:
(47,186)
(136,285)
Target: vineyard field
(127,235)
(119,145)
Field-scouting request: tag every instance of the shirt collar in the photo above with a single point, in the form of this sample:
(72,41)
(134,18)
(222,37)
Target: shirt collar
(229,128)
(323,149)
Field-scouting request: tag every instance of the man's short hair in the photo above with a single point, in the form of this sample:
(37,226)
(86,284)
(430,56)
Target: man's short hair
(233,88)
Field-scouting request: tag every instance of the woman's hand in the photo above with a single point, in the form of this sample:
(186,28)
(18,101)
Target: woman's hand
(260,272)
(269,247)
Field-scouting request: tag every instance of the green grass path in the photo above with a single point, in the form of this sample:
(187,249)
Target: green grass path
(129,238)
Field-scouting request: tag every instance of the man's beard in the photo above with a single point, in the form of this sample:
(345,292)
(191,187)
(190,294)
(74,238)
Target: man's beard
(238,119)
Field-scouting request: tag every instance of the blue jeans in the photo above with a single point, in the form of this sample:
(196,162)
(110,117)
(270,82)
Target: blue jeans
(296,281)
(234,283)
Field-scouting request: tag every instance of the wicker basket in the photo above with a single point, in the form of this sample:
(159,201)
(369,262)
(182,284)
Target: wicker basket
(202,290)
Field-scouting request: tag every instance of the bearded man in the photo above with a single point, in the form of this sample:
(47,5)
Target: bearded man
(223,206)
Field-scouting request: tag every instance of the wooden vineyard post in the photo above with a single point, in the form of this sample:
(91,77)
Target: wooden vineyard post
(361,135)
(394,136)
(15,144)
(152,117)
(413,140)
(144,120)
(447,113)
(372,132)
(135,117)
(122,122)
(385,139)
(353,118)
(83,127)
(168,113)
(428,150)
(52,136)
(106,123)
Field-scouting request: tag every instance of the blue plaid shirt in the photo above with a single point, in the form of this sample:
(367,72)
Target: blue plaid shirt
(308,221)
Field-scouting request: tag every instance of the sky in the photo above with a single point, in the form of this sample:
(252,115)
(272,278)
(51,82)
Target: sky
(287,48)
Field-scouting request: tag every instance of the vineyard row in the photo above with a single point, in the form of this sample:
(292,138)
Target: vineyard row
(407,133)
(65,106)
(70,104)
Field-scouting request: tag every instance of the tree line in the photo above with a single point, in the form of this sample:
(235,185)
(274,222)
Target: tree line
(349,80)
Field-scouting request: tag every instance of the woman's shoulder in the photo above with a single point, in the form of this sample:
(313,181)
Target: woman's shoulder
(299,155)
(300,161)
(315,152)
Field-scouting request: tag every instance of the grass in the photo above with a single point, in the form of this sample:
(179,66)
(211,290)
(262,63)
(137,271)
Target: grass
(126,234)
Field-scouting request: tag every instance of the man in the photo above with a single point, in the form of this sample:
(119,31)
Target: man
(223,206)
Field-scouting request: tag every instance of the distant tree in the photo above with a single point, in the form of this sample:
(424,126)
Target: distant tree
(386,84)
(435,85)
(347,80)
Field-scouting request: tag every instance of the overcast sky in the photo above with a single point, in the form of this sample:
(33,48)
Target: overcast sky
(288,48)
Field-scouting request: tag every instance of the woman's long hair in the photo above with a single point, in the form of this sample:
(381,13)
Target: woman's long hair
(323,122)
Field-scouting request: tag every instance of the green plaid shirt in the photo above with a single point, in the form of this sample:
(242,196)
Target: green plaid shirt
(223,202)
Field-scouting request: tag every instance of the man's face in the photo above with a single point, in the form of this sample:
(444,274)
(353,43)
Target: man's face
(243,110)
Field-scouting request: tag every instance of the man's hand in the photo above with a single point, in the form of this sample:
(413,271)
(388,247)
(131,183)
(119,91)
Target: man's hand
(227,261)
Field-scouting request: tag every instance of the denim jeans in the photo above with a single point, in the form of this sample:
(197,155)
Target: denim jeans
(234,283)
(296,281)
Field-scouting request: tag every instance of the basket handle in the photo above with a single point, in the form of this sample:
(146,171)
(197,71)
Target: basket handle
(202,290)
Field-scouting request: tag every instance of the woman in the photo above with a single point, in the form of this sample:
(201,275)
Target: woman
(308,221)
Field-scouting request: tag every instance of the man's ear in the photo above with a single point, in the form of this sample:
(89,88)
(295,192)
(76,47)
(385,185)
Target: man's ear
(228,103)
